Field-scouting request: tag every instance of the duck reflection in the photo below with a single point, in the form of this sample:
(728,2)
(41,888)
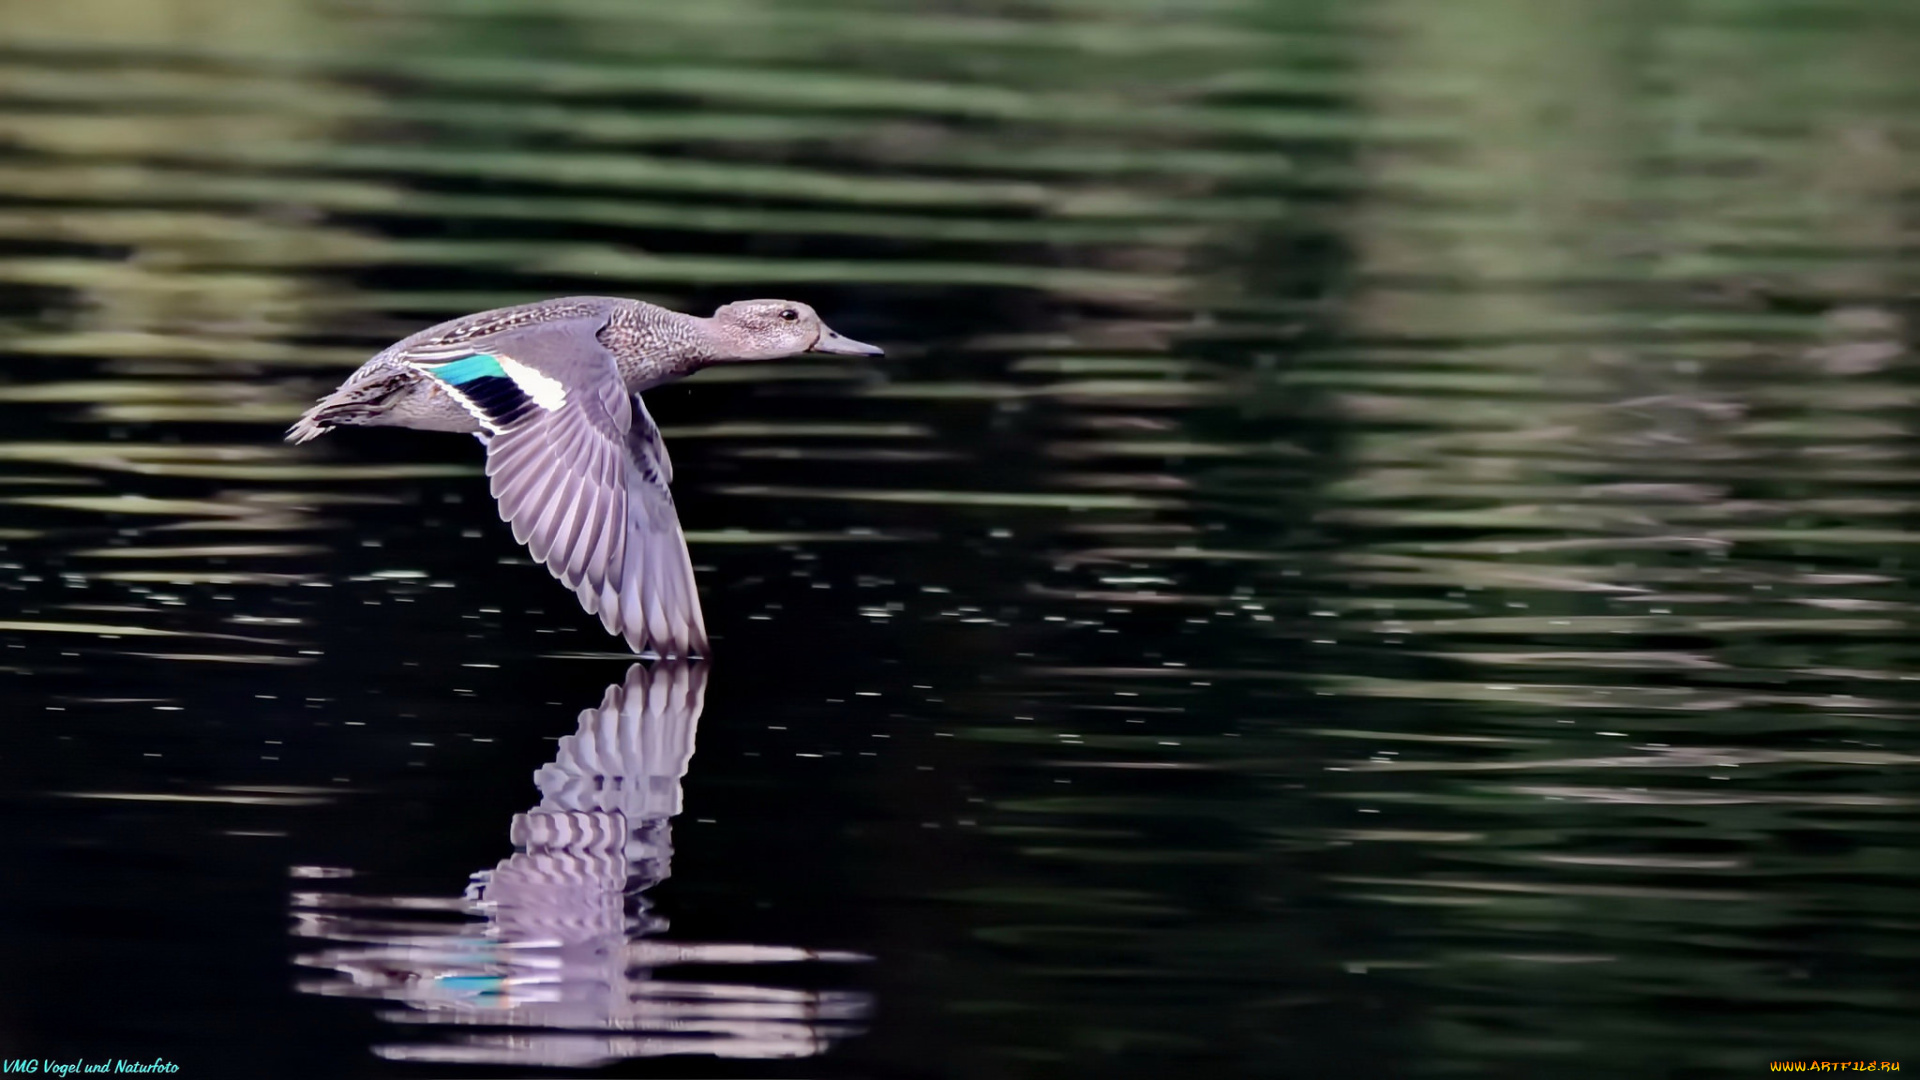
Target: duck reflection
(564,957)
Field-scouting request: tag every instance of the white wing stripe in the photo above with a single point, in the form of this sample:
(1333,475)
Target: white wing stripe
(545,390)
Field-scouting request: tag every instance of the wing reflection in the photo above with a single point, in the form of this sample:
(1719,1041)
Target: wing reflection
(564,957)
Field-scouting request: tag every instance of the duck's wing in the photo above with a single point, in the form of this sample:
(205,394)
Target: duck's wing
(581,475)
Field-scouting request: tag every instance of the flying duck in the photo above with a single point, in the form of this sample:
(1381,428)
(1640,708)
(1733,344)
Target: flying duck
(553,391)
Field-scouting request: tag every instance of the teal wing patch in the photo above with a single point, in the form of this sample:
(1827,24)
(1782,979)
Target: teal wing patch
(466,369)
(480,384)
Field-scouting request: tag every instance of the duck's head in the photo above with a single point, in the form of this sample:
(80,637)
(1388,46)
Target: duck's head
(771,329)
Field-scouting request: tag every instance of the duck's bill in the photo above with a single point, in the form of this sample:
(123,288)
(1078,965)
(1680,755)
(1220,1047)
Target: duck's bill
(832,341)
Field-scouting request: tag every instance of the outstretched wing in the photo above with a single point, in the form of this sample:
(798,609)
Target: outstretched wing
(581,476)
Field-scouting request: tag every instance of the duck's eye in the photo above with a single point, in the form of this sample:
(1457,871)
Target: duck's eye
(789,314)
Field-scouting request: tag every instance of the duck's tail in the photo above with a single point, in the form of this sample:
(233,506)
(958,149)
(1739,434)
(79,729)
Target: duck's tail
(309,426)
(356,402)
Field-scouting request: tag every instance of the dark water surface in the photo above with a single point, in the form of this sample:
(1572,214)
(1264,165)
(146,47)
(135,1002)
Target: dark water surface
(1381,545)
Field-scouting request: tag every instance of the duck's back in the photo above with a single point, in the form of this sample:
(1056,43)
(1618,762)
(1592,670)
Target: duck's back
(484,323)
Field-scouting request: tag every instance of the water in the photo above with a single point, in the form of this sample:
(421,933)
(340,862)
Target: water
(1380,543)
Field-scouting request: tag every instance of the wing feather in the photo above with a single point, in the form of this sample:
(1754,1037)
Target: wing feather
(570,529)
(589,559)
(522,481)
(557,525)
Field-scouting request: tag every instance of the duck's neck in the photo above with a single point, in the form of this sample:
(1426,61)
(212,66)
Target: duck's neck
(653,345)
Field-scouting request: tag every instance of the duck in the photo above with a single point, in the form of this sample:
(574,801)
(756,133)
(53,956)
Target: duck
(552,390)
